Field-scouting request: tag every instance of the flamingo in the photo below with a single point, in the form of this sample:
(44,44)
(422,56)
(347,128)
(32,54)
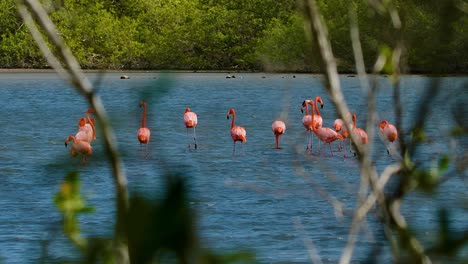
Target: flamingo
(278,127)
(86,130)
(339,127)
(361,133)
(238,133)
(318,118)
(79,147)
(89,126)
(143,133)
(190,121)
(325,134)
(307,123)
(389,131)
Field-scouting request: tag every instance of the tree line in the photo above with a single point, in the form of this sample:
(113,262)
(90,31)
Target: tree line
(252,35)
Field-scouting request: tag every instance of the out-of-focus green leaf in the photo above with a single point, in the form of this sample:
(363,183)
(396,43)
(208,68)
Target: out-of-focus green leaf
(418,134)
(162,228)
(70,203)
(444,162)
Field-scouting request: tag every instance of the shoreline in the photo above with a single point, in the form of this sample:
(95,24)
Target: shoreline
(31,70)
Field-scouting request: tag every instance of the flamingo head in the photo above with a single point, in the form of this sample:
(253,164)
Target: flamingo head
(231,112)
(69,138)
(90,110)
(142,104)
(187,110)
(319,100)
(82,122)
(383,123)
(338,124)
(304,105)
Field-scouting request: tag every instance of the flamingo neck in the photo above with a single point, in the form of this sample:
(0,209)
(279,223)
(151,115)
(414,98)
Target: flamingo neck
(91,124)
(277,140)
(313,115)
(143,120)
(307,109)
(233,120)
(316,107)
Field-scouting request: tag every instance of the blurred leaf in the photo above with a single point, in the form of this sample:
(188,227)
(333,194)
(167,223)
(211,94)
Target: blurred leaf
(162,227)
(388,66)
(70,203)
(418,134)
(426,179)
(444,162)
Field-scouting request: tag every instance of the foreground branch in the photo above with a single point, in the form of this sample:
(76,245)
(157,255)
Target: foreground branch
(71,70)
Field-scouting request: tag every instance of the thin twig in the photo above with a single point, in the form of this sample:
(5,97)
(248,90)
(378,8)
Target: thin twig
(31,8)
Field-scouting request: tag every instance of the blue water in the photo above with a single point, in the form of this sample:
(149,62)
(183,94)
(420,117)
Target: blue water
(251,201)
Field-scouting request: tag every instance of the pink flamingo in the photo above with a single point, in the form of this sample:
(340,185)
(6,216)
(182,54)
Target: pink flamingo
(318,118)
(190,121)
(361,133)
(325,134)
(86,131)
(89,126)
(278,127)
(238,133)
(340,127)
(143,133)
(389,131)
(79,147)
(307,123)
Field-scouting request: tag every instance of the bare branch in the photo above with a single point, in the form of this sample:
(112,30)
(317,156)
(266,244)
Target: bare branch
(32,9)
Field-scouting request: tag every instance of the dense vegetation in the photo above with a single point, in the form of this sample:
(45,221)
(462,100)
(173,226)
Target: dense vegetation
(234,35)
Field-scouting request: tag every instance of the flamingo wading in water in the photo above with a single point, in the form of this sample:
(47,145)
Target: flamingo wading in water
(361,133)
(278,127)
(143,133)
(307,123)
(79,147)
(340,127)
(325,134)
(389,131)
(86,130)
(238,133)
(191,121)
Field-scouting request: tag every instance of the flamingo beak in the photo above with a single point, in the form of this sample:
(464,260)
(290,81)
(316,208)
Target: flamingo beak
(227,117)
(66,144)
(321,105)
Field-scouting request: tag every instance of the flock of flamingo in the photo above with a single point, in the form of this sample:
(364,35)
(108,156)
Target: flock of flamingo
(312,122)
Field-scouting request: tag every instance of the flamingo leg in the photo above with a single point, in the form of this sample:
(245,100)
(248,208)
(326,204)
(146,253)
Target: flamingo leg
(331,152)
(319,147)
(309,141)
(194,138)
(188,141)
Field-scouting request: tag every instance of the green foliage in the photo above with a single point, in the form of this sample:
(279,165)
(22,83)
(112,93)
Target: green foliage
(70,203)
(284,46)
(249,35)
